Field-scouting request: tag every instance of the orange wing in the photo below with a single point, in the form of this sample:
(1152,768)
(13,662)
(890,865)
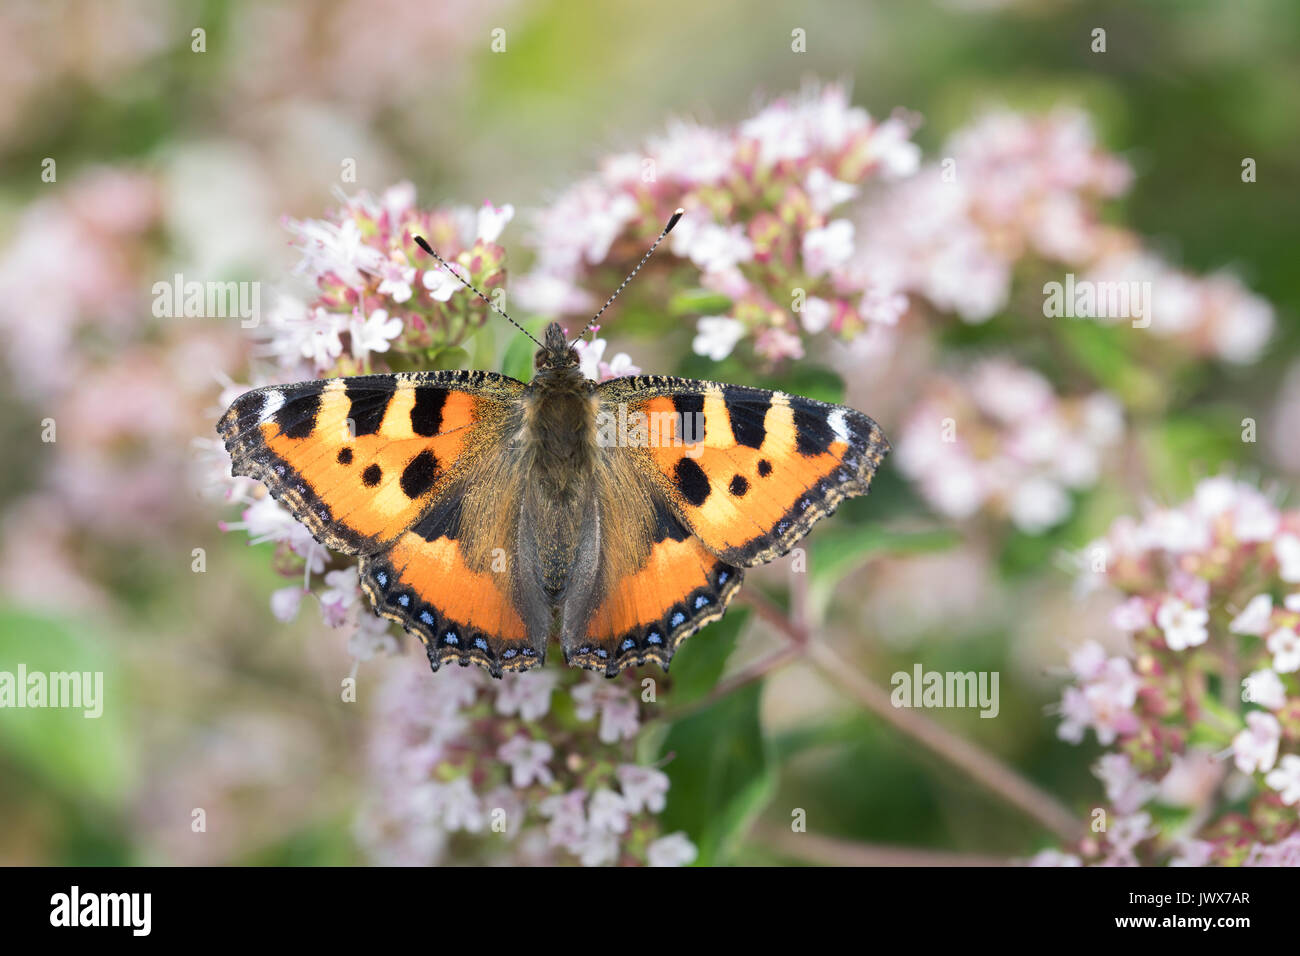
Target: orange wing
(425,582)
(646,615)
(749,471)
(360,460)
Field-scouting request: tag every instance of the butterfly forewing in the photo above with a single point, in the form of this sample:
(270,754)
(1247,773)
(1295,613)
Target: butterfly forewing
(749,471)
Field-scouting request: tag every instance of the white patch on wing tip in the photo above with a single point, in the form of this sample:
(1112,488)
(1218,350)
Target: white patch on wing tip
(839,425)
(272,402)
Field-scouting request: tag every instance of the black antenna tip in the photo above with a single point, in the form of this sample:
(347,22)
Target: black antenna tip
(673,221)
(419,241)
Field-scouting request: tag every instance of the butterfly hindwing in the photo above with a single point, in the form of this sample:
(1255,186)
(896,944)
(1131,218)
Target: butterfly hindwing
(646,613)
(430,581)
(749,471)
(360,460)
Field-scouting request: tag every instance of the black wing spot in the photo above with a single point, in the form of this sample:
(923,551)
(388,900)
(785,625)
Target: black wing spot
(419,475)
(297,416)
(667,525)
(345,456)
(812,428)
(370,477)
(369,402)
(764,468)
(426,413)
(690,418)
(739,486)
(747,411)
(692,481)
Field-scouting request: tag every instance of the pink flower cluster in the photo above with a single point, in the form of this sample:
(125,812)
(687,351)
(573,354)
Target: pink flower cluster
(378,291)
(763,230)
(1009,187)
(1211,317)
(465,769)
(1202,708)
(381,303)
(1011,190)
(997,438)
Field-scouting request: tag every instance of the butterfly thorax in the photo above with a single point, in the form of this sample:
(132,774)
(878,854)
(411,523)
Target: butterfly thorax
(557,516)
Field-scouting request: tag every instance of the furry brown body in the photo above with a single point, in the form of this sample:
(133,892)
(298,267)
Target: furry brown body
(559,525)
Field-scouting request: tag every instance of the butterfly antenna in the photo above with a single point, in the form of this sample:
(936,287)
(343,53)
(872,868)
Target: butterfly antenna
(419,241)
(631,275)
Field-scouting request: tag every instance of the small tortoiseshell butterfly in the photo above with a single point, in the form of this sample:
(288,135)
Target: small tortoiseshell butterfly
(491,514)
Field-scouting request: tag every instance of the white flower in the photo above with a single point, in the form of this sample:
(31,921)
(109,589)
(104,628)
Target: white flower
(320,340)
(286,601)
(825,192)
(1265,688)
(828,247)
(590,361)
(1087,661)
(816,315)
(607,811)
(397,279)
(1255,748)
(1125,787)
(1287,549)
(1111,698)
(340,249)
(1286,779)
(675,849)
(441,283)
(492,220)
(527,694)
(598,848)
(1254,619)
(891,145)
(527,759)
(1284,645)
(372,334)
(459,806)
(342,593)
(716,248)
(372,638)
(1054,858)
(643,787)
(1184,625)
(1037,504)
(568,819)
(1132,615)
(717,336)
(264,520)
(618,712)
(1126,832)
(1076,715)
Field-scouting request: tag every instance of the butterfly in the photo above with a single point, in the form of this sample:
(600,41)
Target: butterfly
(491,515)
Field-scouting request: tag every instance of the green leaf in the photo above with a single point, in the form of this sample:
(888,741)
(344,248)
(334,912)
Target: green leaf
(699,664)
(450,358)
(810,381)
(699,302)
(518,359)
(840,551)
(1102,350)
(721,775)
(80,755)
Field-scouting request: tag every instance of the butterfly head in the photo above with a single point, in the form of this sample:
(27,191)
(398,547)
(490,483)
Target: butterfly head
(557,353)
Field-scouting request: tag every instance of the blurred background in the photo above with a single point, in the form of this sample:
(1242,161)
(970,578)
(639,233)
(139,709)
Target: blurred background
(132,149)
